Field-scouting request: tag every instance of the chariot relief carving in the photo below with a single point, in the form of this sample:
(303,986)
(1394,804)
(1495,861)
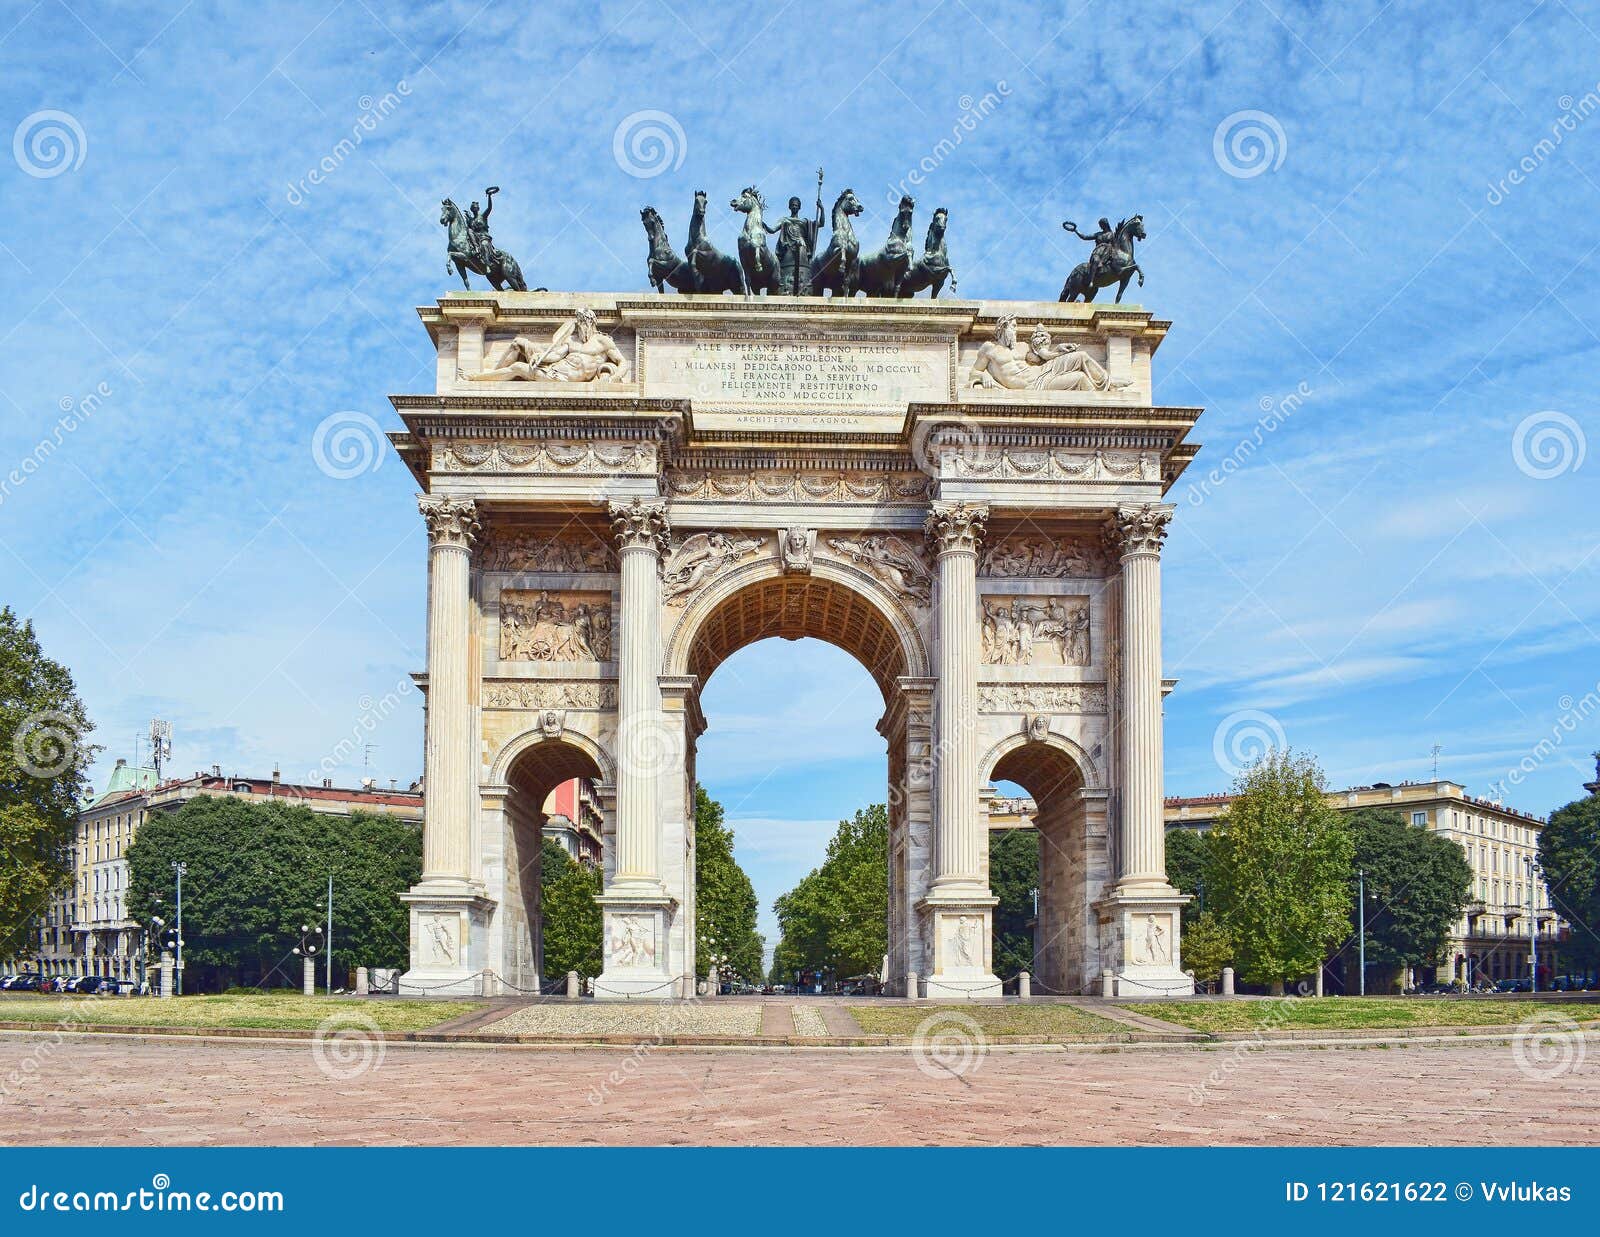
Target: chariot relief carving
(1035,631)
(1041,557)
(544,626)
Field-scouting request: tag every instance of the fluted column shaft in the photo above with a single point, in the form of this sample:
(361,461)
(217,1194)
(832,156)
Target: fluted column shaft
(956,530)
(447,832)
(1137,535)
(642,741)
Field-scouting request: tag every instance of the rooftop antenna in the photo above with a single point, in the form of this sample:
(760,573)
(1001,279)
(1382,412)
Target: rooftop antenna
(1436,750)
(160,743)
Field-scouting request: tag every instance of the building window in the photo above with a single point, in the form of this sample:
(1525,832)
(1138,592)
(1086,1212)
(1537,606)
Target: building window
(1419,819)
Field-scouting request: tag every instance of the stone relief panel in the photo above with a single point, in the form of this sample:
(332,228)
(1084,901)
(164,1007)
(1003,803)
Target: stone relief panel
(700,557)
(895,561)
(789,486)
(1040,697)
(1152,941)
(510,549)
(1042,558)
(1057,464)
(631,940)
(438,932)
(1035,631)
(545,626)
(577,351)
(963,940)
(549,694)
(580,457)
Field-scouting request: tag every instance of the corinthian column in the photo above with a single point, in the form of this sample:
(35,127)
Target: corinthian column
(451,783)
(955,530)
(1136,535)
(643,741)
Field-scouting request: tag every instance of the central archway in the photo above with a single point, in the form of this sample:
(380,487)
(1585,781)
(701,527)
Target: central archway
(844,607)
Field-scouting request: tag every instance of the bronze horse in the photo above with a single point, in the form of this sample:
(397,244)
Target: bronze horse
(664,266)
(755,255)
(501,270)
(710,269)
(838,267)
(881,272)
(1117,266)
(934,267)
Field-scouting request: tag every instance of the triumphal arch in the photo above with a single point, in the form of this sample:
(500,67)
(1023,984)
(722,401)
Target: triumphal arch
(620,491)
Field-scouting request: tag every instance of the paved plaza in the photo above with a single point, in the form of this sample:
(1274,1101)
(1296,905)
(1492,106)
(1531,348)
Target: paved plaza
(117,1091)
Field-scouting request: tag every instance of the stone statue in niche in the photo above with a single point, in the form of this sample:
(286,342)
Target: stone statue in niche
(1042,366)
(1040,557)
(699,558)
(891,560)
(1033,631)
(578,352)
(797,545)
(545,628)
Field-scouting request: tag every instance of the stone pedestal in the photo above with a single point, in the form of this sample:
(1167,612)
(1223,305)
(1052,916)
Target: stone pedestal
(636,961)
(308,977)
(449,940)
(166,973)
(1139,942)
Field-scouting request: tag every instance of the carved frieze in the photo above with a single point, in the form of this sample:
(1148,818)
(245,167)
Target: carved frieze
(545,626)
(510,549)
(789,486)
(1056,464)
(1035,631)
(1041,697)
(573,457)
(549,694)
(697,558)
(1042,558)
(892,560)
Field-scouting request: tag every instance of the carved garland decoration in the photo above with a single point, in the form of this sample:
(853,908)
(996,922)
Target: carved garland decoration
(904,488)
(1057,464)
(605,457)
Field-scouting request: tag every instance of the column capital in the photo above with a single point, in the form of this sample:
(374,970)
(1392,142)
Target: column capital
(1139,530)
(451,521)
(956,526)
(640,524)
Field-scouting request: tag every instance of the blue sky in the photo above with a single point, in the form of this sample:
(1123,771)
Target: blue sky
(1408,557)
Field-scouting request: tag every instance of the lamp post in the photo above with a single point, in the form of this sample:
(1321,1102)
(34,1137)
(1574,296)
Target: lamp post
(1533,922)
(1361,921)
(180,868)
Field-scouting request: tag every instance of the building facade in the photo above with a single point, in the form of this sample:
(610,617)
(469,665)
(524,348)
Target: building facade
(573,820)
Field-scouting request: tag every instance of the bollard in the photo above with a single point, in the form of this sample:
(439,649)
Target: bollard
(166,973)
(572,984)
(713,985)
(308,977)
(912,991)
(1227,981)
(363,984)
(1024,985)
(1319,980)
(1108,985)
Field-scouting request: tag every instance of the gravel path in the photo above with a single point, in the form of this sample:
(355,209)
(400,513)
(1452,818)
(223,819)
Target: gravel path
(632,1018)
(808,1021)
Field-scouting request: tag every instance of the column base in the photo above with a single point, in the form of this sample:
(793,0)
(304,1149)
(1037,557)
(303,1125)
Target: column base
(449,940)
(959,926)
(1139,942)
(637,966)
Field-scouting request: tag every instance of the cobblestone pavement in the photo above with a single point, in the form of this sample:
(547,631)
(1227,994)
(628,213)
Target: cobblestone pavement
(94,1090)
(647,1018)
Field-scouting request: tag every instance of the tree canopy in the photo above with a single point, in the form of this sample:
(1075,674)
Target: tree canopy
(1277,870)
(1569,853)
(1013,877)
(837,917)
(572,921)
(256,872)
(1186,861)
(1417,883)
(44,761)
(725,900)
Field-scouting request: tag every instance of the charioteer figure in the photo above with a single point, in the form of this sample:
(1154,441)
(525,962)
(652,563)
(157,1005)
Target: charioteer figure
(797,242)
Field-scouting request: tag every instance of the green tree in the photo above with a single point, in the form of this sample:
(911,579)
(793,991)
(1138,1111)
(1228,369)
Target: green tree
(572,922)
(1207,948)
(1186,860)
(725,900)
(1569,853)
(44,761)
(1417,883)
(1013,877)
(1277,870)
(837,917)
(256,872)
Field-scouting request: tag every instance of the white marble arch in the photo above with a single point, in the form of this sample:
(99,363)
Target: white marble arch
(1075,870)
(510,829)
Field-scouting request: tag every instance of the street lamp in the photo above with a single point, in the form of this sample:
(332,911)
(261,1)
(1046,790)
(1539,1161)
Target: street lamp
(180,868)
(1534,871)
(1361,920)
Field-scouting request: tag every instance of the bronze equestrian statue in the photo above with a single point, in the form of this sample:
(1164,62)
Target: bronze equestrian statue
(759,267)
(1111,262)
(470,247)
(710,269)
(664,266)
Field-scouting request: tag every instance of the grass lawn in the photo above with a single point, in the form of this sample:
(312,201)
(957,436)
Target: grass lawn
(1356,1013)
(992,1019)
(270,1010)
